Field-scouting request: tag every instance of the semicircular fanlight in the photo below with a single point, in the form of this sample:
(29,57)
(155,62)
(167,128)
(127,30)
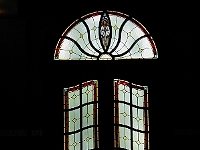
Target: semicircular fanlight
(105,35)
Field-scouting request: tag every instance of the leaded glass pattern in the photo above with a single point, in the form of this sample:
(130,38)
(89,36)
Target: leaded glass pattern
(105,35)
(131,121)
(80,116)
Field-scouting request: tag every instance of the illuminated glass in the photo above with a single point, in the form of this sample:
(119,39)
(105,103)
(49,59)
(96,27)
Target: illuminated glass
(105,35)
(131,120)
(80,116)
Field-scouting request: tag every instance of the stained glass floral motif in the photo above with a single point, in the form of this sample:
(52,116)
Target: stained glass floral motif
(131,116)
(105,35)
(80,116)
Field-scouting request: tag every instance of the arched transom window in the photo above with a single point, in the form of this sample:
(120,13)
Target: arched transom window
(105,35)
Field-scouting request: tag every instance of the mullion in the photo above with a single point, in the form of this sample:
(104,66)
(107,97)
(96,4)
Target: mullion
(81,131)
(146,121)
(131,117)
(95,116)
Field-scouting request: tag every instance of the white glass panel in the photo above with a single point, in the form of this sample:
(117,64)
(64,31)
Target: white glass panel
(75,32)
(74,120)
(121,93)
(140,119)
(127,138)
(71,141)
(141,147)
(141,138)
(135,136)
(129,26)
(88,94)
(136,32)
(122,45)
(93,24)
(74,99)
(115,23)
(88,139)
(134,100)
(77,140)
(127,94)
(121,135)
(121,112)
(87,115)
(134,117)
(127,115)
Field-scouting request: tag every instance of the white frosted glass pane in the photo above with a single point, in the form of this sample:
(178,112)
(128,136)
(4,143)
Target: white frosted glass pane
(77,140)
(121,135)
(141,147)
(86,46)
(88,139)
(137,33)
(127,115)
(134,91)
(122,46)
(147,53)
(141,138)
(115,31)
(134,100)
(129,26)
(121,113)
(74,33)
(141,119)
(127,94)
(141,101)
(134,111)
(66,44)
(90,94)
(135,145)
(90,115)
(91,140)
(127,138)
(84,119)
(144,43)
(121,96)
(74,99)
(93,24)
(141,114)
(71,142)
(135,123)
(116,20)
(74,120)
(135,136)
(87,115)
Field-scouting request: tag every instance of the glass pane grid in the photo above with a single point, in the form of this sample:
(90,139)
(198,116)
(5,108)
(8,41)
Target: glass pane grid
(130,104)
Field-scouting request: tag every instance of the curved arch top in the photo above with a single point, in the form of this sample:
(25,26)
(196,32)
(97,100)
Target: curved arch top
(105,35)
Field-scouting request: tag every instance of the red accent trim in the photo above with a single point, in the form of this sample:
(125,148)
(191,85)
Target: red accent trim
(146,121)
(116,119)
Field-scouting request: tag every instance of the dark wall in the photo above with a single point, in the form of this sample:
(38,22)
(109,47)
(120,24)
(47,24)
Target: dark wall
(32,83)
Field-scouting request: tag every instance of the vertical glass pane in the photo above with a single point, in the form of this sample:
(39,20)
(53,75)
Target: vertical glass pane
(74,98)
(88,109)
(124,114)
(125,138)
(131,112)
(87,94)
(87,112)
(88,138)
(74,120)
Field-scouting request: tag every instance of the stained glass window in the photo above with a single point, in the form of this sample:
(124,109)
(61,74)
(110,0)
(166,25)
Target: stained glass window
(105,35)
(131,121)
(80,116)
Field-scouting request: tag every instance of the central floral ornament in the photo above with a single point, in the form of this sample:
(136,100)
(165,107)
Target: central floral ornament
(105,31)
(105,35)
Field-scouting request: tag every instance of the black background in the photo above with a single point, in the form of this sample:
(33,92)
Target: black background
(31,115)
